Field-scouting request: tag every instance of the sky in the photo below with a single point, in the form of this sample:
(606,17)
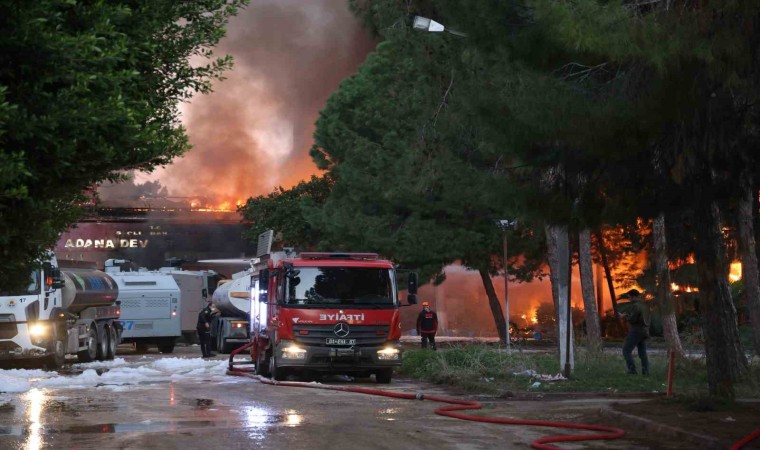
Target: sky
(253,133)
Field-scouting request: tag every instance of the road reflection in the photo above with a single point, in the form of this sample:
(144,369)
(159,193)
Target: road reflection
(35,398)
(257,420)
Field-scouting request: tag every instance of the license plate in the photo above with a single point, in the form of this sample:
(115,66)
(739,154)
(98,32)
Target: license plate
(331,341)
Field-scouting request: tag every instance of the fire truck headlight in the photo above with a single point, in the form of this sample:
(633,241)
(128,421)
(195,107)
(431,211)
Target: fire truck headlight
(38,332)
(388,353)
(293,352)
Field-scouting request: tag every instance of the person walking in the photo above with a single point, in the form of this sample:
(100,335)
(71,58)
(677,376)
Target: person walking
(638,333)
(204,329)
(427,325)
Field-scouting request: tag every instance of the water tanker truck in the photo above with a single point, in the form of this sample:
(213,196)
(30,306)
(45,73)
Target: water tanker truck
(230,329)
(61,311)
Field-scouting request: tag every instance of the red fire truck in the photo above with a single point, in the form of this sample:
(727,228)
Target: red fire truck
(326,313)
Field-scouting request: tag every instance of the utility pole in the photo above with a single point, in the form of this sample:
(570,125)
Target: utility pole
(506,296)
(504,224)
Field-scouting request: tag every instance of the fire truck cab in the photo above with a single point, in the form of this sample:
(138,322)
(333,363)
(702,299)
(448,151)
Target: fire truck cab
(326,313)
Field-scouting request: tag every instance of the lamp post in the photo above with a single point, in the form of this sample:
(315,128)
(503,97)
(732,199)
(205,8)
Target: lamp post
(504,224)
(425,24)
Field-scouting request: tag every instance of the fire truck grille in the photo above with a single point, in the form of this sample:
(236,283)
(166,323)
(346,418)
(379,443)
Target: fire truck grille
(365,335)
(8,328)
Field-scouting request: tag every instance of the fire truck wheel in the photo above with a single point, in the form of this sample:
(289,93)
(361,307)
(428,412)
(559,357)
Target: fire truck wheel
(91,352)
(110,343)
(58,357)
(384,376)
(262,364)
(275,372)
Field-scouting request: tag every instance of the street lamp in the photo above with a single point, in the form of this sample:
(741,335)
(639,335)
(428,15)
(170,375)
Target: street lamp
(430,25)
(505,224)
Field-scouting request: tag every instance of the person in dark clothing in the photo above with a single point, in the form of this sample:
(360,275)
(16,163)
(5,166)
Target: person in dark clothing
(204,329)
(427,325)
(638,333)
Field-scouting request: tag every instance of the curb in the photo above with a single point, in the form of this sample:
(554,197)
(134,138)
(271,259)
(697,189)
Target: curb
(641,423)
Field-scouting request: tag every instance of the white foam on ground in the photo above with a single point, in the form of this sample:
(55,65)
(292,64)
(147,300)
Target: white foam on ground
(119,376)
(13,384)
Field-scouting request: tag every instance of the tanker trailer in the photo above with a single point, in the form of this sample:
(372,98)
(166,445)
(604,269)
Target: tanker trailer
(73,310)
(229,330)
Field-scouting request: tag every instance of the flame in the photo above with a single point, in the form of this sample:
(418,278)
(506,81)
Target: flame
(735,273)
(677,288)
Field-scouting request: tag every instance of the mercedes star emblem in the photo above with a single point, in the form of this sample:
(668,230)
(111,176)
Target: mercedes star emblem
(341,329)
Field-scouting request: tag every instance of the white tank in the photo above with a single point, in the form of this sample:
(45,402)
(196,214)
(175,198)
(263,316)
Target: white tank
(233,298)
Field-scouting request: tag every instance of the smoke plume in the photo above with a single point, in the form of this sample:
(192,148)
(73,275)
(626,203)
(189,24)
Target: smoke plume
(254,131)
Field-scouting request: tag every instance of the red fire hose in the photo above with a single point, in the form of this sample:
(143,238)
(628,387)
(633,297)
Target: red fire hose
(746,440)
(449,411)
(462,405)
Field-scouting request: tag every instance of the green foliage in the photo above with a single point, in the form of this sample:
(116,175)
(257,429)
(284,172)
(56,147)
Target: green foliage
(415,178)
(88,89)
(283,211)
(486,369)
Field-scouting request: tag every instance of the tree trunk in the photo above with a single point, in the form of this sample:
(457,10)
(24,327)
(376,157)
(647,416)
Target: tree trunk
(664,294)
(553,258)
(607,270)
(493,302)
(593,333)
(749,258)
(600,297)
(723,350)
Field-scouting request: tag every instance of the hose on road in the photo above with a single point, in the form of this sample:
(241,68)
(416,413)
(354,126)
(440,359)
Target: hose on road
(457,405)
(746,440)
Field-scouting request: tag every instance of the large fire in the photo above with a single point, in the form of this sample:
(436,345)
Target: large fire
(224,206)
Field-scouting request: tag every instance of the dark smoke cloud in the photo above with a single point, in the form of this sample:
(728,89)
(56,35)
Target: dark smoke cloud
(254,131)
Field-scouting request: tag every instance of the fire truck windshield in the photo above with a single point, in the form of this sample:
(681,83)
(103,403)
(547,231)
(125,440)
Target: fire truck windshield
(32,288)
(340,286)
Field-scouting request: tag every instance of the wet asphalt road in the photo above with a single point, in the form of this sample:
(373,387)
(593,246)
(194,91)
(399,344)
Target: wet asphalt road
(180,401)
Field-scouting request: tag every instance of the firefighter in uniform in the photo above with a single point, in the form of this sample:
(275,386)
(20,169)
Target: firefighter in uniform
(638,333)
(204,329)
(427,325)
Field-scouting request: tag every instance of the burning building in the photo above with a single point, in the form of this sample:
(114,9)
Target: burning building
(151,233)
